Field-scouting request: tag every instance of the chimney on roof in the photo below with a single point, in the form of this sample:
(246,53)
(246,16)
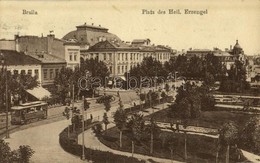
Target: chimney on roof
(85,23)
(99,25)
(230,47)
(92,24)
(16,39)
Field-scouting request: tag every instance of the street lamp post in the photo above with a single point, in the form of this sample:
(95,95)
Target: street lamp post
(6,92)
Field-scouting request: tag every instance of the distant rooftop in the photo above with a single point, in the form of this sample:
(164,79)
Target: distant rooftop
(85,25)
(90,35)
(201,50)
(13,57)
(47,58)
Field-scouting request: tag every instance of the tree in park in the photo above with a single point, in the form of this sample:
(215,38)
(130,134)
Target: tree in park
(63,82)
(163,95)
(250,135)
(107,103)
(228,136)
(136,127)
(167,88)
(153,130)
(236,79)
(188,102)
(181,65)
(214,70)
(187,106)
(120,119)
(154,97)
(149,67)
(105,120)
(171,143)
(207,99)
(98,69)
(170,65)
(194,68)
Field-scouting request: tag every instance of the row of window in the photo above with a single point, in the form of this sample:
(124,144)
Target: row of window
(29,72)
(73,56)
(121,69)
(133,56)
(50,74)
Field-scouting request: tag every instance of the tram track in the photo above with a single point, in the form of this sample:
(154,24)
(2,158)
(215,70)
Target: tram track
(14,128)
(50,119)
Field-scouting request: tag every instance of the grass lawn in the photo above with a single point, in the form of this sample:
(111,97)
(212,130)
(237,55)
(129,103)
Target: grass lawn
(209,119)
(200,148)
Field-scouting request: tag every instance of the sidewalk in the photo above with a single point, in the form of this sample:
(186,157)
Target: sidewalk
(190,129)
(250,156)
(235,106)
(94,143)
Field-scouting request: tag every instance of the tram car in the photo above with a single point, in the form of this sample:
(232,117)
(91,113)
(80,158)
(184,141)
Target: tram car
(28,112)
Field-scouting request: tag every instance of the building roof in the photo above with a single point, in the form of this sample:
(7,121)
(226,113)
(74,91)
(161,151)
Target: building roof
(90,35)
(140,40)
(199,50)
(222,54)
(71,42)
(91,26)
(118,46)
(112,46)
(47,58)
(13,57)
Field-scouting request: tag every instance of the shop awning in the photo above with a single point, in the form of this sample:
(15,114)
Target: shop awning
(39,92)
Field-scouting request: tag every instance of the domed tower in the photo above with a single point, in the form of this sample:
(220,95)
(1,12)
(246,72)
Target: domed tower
(237,49)
(238,52)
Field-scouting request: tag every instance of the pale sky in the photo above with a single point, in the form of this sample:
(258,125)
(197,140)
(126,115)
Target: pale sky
(225,22)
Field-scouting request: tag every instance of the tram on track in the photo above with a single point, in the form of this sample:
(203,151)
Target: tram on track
(28,112)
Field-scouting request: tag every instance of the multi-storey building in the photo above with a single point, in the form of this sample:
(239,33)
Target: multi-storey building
(19,63)
(50,66)
(89,35)
(121,57)
(67,50)
(227,57)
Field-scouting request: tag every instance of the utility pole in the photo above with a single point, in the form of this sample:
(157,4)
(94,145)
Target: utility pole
(4,68)
(73,98)
(83,129)
(6,103)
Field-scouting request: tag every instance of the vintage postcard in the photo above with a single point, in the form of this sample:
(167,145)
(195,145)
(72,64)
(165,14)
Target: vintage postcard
(130,81)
